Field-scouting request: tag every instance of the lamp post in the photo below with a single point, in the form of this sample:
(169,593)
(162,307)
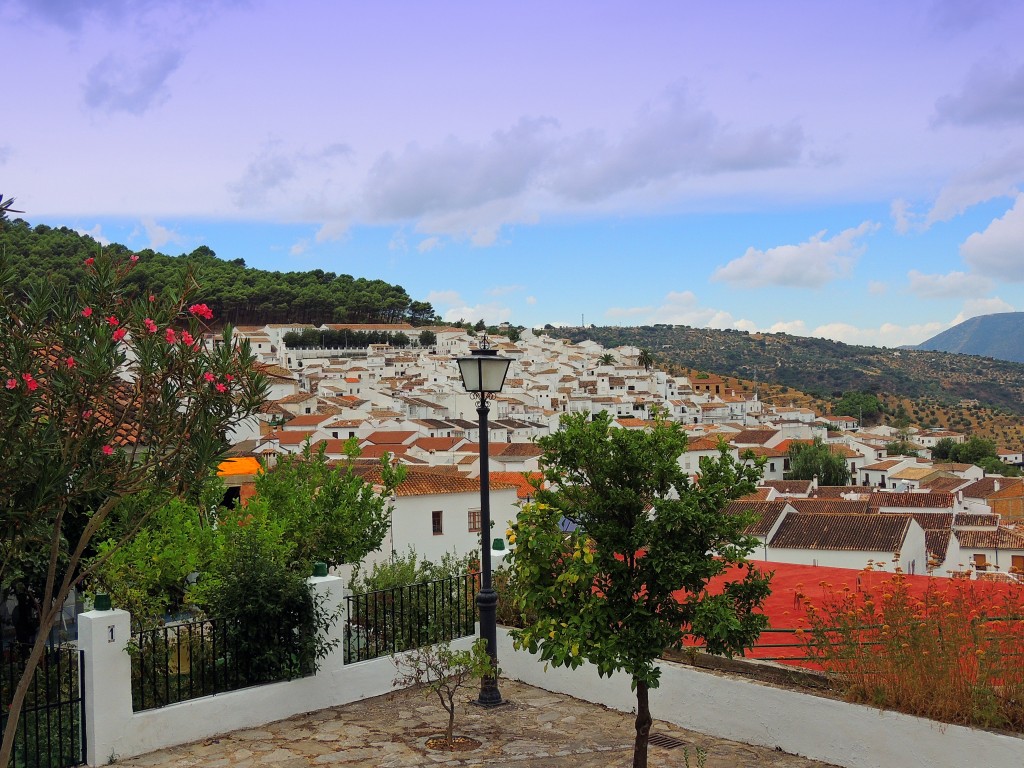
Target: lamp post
(483,374)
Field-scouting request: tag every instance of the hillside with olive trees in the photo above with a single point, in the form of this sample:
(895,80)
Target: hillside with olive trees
(978,395)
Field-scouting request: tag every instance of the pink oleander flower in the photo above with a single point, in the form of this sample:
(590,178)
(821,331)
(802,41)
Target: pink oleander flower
(201,310)
(221,387)
(113,321)
(108,450)
(133,258)
(120,333)
(228,377)
(12,383)
(186,338)
(87,312)
(87,414)
(150,325)
(209,377)
(30,382)
(70,362)
(171,336)
(89,262)
(152,298)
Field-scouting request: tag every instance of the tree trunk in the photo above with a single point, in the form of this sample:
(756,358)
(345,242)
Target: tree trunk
(643,726)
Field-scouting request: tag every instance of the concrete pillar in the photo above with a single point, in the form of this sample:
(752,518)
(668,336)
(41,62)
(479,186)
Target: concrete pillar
(331,590)
(104,636)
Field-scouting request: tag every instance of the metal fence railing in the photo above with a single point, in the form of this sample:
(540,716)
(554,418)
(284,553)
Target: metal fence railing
(187,660)
(51,724)
(387,621)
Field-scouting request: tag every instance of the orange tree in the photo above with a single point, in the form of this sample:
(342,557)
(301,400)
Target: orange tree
(104,393)
(631,579)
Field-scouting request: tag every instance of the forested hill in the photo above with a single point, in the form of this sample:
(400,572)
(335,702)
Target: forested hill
(822,367)
(238,294)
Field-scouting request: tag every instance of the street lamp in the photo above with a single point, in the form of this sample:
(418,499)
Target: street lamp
(483,374)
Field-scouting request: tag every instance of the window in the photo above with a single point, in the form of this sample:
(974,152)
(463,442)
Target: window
(771,466)
(980,563)
(474,521)
(436,525)
(1017,563)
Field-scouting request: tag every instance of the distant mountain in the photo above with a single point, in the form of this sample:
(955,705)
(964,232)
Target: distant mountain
(1000,336)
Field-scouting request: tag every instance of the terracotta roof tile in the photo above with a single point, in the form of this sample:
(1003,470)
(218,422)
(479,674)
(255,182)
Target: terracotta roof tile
(867,533)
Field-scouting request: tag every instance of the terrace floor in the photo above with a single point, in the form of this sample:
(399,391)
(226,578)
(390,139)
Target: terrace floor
(535,728)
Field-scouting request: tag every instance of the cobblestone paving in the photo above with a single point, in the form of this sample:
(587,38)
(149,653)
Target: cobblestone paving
(536,728)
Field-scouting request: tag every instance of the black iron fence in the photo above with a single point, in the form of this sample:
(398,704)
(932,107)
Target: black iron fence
(51,725)
(387,621)
(188,660)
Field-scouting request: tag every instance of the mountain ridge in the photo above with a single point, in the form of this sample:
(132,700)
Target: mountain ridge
(999,335)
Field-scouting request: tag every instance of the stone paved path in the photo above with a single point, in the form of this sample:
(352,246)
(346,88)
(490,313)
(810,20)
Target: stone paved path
(535,729)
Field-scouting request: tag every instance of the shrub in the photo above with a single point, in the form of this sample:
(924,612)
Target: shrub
(952,654)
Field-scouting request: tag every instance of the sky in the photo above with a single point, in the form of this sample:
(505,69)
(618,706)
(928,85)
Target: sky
(847,170)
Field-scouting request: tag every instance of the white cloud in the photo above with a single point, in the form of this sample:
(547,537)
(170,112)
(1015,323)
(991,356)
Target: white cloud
(792,327)
(444,298)
(490,313)
(531,300)
(997,176)
(999,250)
(993,94)
(949,286)
(471,189)
(299,247)
(810,264)
(680,308)
(159,236)
(502,290)
(886,335)
(902,216)
(119,84)
(96,233)
(428,244)
(878,288)
(977,307)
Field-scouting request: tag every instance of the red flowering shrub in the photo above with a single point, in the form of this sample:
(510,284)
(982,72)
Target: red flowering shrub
(97,407)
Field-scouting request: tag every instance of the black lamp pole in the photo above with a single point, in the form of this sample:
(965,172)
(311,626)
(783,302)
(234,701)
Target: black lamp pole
(487,598)
(483,374)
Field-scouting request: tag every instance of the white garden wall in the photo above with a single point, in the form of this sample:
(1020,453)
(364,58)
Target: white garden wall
(715,704)
(836,732)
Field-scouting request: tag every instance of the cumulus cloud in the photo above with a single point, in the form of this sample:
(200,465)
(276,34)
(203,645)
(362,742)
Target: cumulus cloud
(998,176)
(810,264)
(671,138)
(886,335)
(977,307)
(472,189)
(956,17)
(491,313)
(299,247)
(679,308)
(999,250)
(531,300)
(949,286)
(96,233)
(878,288)
(502,290)
(118,84)
(993,94)
(444,298)
(159,236)
(428,244)
(270,173)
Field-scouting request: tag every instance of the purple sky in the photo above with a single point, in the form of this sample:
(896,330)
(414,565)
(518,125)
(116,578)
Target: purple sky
(849,170)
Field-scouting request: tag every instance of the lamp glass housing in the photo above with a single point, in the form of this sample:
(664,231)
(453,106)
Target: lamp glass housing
(484,370)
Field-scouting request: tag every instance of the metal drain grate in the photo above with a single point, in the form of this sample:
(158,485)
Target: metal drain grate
(664,741)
